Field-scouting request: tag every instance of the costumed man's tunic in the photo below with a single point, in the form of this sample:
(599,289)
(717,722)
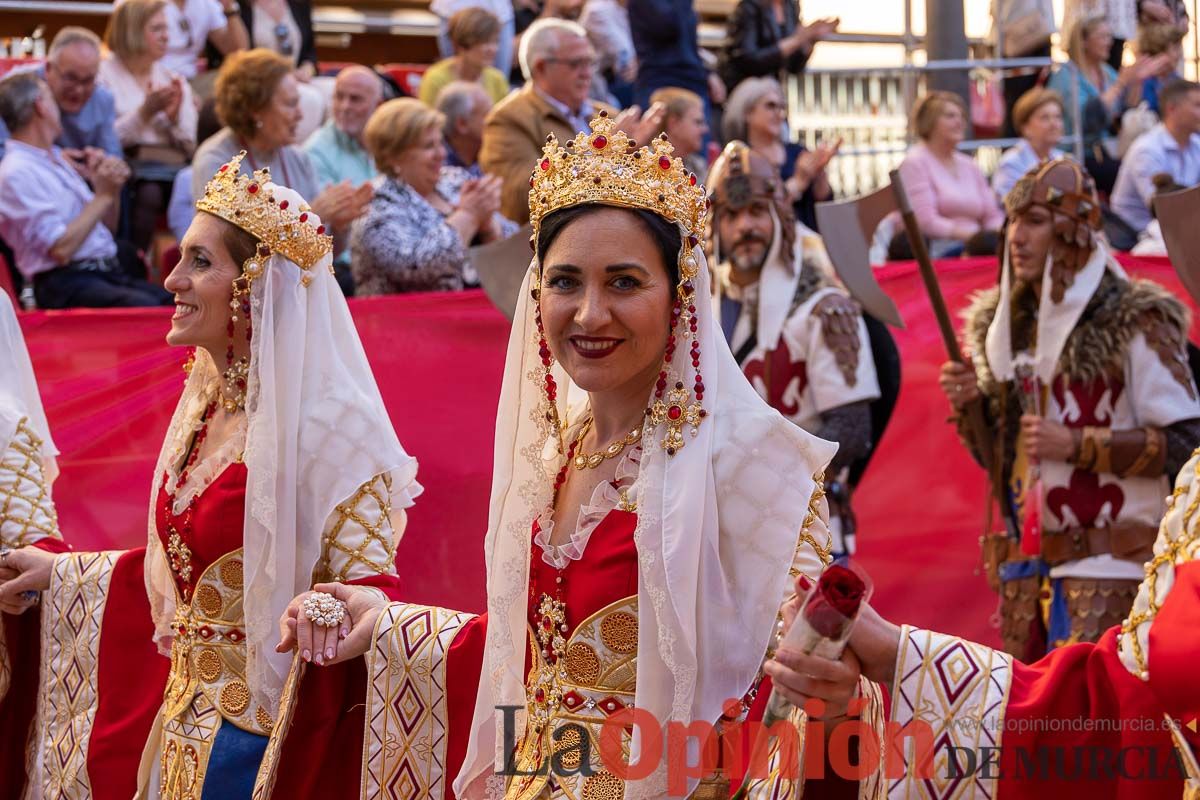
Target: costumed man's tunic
(1105,357)
(799,338)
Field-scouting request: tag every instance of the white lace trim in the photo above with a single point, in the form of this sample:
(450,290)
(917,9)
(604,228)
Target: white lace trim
(606,496)
(209,469)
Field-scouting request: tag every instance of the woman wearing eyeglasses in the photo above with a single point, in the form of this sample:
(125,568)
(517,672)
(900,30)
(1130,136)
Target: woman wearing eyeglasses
(756,113)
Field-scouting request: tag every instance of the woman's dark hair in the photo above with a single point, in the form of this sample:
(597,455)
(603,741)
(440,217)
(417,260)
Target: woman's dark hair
(665,234)
(242,245)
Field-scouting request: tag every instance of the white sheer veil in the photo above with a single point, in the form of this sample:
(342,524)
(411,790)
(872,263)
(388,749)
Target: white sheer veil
(19,397)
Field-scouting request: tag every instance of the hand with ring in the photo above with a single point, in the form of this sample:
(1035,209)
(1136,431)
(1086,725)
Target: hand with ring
(331,624)
(958,383)
(23,574)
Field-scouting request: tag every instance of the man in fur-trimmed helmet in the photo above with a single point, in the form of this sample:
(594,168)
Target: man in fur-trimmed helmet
(1086,381)
(797,335)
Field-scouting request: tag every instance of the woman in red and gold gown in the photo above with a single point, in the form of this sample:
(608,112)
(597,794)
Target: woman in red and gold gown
(280,468)
(647,512)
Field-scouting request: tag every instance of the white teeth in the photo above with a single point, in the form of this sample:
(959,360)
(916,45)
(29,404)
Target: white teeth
(582,345)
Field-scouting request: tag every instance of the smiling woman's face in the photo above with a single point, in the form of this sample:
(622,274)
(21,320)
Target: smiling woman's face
(606,302)
(202,283)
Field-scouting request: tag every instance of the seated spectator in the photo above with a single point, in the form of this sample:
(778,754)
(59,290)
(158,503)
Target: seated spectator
(685,125)
(1100,91)
(607,25)
(191,24)
(1038,118)
(86,109)
(286,27)
(336,148)
(1159,39)
(258,100)
(1172,146)
(476,37)
(557,61)
(156,115)
(950,196)
(501,9)
(60,231)
(464,106)
(757,115)
(424,215)
(766,37)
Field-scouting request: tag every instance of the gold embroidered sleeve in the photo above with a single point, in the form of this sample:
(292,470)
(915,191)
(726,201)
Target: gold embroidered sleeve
(359,538)
(27,513)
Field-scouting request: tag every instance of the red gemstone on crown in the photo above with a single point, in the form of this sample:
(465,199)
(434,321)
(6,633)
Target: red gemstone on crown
(252,188)
(674,412)
(545,165)
(664,163)
(264,251)
(692,179)
(540,695)
(320,229)
(600,142)
(304,217)
(283,204)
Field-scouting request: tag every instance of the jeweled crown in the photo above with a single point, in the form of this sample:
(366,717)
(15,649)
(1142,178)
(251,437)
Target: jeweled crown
(248,202)
(606,166)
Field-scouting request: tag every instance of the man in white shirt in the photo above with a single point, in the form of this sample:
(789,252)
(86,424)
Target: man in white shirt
(58,228)
(1171,147)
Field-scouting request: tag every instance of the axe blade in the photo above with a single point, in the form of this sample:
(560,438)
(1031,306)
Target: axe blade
(847,228)
(1179,217)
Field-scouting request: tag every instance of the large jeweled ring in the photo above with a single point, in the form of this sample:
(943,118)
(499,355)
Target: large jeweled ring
(322,608)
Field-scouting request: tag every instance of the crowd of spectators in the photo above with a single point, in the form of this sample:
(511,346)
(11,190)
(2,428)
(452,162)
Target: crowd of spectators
(106,144)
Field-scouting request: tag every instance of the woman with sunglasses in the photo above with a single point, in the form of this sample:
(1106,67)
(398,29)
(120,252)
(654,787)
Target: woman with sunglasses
(756,113)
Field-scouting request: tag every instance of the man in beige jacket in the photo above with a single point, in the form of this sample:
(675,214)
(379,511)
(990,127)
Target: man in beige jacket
(558,63)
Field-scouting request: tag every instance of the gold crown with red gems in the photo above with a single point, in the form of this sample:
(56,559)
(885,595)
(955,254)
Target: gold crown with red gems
(247,202)
(607,167)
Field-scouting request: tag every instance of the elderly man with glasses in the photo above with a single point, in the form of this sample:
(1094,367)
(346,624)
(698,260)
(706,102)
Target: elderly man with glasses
(558,64)
(85,109)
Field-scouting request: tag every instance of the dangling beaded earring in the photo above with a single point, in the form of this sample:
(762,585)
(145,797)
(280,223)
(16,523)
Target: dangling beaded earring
(233,388)
(675,406)
(549,386)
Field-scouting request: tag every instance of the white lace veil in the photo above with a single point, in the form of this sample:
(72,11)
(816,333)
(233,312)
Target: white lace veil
(717,529)
(317,430)
(19,398)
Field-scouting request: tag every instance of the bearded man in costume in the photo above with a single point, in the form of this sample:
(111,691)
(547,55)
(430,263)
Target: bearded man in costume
(1092,404)
(798,337)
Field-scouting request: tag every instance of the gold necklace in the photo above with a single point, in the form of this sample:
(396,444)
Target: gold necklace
(590,461)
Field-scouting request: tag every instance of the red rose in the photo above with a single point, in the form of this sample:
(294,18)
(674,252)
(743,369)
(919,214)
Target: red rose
(834,604)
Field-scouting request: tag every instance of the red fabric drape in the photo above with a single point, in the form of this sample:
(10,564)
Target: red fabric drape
(109,384)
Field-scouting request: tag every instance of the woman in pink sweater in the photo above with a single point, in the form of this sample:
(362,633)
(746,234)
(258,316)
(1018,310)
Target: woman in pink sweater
(950,196)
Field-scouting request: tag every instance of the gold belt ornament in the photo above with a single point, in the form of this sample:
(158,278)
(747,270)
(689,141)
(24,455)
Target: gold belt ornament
(208,654)
(570,699)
